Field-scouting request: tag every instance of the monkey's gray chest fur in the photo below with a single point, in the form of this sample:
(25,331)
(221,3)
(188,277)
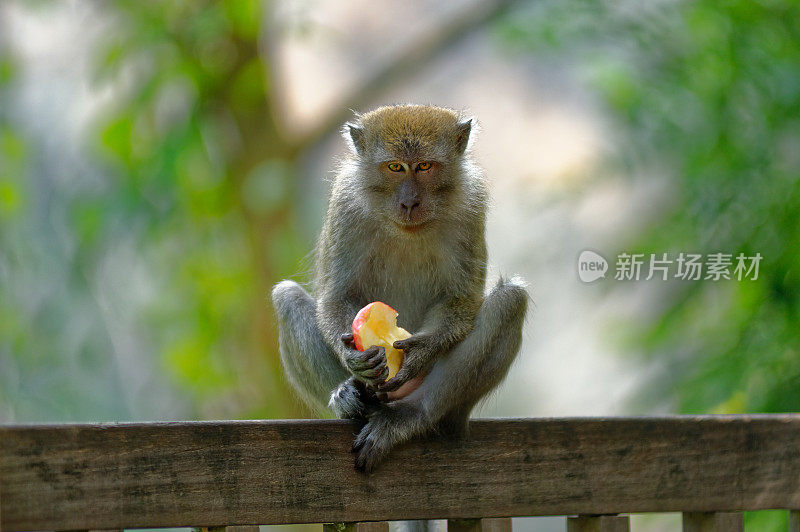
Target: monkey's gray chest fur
(408,281)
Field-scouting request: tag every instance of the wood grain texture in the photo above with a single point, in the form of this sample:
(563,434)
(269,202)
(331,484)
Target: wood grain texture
(713,522)
(794,521)
(107,476)
(496,524)
(599,523)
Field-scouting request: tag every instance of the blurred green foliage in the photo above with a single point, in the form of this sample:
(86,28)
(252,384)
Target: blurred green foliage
(163,141)
(710,93)
(205,166)
(45,321)
(190,209)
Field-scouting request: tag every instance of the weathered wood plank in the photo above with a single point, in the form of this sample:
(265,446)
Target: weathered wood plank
(794,521)
(496,524)
(272,472)
(599,523)
(713,522)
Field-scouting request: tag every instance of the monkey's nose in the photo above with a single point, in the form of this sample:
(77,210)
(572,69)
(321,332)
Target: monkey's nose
(409,206)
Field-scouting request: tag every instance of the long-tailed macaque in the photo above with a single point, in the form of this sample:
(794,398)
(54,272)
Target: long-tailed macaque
(406,226)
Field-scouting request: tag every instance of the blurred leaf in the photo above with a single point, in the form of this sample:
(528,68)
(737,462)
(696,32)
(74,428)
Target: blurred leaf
(7,69)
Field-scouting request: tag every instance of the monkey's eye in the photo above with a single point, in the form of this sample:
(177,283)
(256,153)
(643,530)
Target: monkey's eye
(423,167)
(396,167)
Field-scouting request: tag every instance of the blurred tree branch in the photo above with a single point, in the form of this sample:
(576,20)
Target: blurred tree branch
(422,52)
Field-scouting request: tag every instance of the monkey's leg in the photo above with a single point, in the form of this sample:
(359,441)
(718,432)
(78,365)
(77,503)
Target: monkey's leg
(310,364)
(457,379)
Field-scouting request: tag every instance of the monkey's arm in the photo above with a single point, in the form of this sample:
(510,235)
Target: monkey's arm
(446,324)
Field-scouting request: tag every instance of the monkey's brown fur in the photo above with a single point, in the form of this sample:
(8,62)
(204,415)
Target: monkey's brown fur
(394,126)
(414,240)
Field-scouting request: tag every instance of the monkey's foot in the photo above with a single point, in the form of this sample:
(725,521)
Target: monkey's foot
(386,427)
(371,445)
(352,400)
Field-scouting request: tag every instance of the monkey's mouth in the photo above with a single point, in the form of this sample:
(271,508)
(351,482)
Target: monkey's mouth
(411,227)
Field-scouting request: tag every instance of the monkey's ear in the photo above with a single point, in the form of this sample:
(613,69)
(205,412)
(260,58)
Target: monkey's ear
(354,135)
(462,135)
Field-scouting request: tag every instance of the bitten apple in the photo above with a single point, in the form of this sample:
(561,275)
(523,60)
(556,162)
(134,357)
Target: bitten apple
(376,324)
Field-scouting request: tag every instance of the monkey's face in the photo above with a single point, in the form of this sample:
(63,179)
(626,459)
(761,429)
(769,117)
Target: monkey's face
(409,161)
(413,192)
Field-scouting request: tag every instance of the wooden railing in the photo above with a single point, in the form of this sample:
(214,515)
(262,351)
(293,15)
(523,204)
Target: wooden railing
(213,474)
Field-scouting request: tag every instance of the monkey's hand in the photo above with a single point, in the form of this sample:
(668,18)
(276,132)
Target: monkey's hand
(368,366)
(419,351)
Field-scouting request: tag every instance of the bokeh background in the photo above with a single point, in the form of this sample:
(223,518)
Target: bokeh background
(163,163)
